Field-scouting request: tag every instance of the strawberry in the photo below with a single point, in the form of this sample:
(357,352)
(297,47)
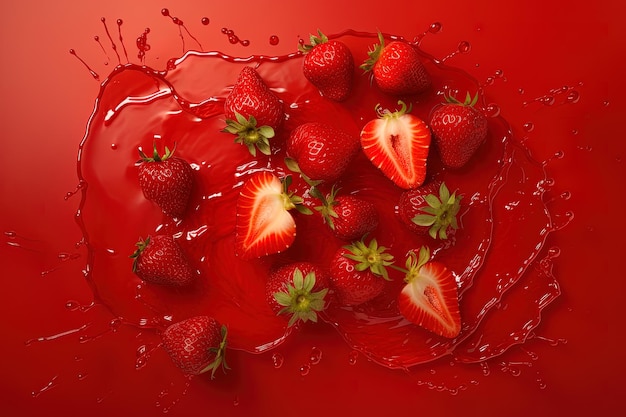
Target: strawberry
(348,217)
(196,345)
(429,297)
(264,224)
(298,290)
(167,180)
(396,68)
(430,209)
(458,130)
(397,143)
(358,273)
(253,112)
(321,152)
(328,65)
(160,260)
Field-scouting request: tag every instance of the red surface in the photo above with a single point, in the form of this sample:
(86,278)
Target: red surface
(88,362)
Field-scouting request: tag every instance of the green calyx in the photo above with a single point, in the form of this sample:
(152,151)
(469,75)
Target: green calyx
(374,54)
(293,166)
(249,134)
(415,262)
(314,41)
(326,209)
(156,157)
(220,355)
(299,301)
(291,200)
(371,256)
(141,246)
(469,100)
(440,214)
(388,114)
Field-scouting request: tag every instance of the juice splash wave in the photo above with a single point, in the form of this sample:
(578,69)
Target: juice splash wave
(504,219)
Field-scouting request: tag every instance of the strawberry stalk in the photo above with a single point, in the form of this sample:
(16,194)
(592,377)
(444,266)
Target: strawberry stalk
(315,40)
(326,209)
(300,301)
(249,134)
(156,157)
(291,200)
(371,256)
(220,355)
(440,213)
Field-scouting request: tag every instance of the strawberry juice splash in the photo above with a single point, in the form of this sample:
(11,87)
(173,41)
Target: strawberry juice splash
(504,285)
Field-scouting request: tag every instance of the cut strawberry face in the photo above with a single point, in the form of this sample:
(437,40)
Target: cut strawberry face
(429,298)
(398,143)
(264,224)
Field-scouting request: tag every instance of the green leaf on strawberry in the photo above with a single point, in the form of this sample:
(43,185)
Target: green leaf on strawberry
(300,301)
(370,257)
(440,213)
(249,134)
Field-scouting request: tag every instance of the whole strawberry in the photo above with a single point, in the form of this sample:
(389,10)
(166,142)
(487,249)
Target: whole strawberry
(321,151)
(196,345)
(253,112)
(328,64)
(160,260)
(167,180)
(349,217)
(458,130)
(430,209)
(357,272)
(397,68)
(298,290)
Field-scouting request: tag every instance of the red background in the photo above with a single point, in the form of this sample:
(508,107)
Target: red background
(47,96)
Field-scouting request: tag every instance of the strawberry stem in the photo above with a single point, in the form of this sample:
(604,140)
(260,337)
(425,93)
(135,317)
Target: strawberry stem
(372,257)
(299,300)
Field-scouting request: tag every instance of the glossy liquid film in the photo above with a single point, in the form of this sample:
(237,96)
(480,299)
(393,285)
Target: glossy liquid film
(504,218)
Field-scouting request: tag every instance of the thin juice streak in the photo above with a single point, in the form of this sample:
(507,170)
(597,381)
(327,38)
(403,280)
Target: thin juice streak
(113,46)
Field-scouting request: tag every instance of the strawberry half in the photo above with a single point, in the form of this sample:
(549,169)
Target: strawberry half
(298,290)
(196,345)
(397,143)
(429,298)
(264,224)
(328,65)
(160,260)
(166,180)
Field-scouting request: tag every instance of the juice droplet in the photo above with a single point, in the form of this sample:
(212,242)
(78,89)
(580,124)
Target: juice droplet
(305,369)
(492,110)
(143,46)
(165,12)
(233,38)
(274,40)
(573,96)
(529,126)
(352,357)
(464,47)
(277,360)
(113,146)
(92,72)
(435,27)
(205,21)
(315,356)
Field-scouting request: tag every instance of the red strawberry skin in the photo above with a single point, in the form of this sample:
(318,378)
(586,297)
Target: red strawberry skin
(168,183)
(282,277)
(353,287)
(252,97)
(398,144)
(355,217)
(160,260)
(323,152)
(330,67)
(431,300)
(412,201)
(399,70)
(458,131)
(192,343)
(264,224)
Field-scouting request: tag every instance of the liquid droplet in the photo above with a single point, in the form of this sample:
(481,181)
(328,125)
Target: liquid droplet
(492,110)
(305,369)
(274,40)
(277,360)
(315,356)
(435,27)
(573,96)
(205,21)
(352,357)
(529,126)
(464,47)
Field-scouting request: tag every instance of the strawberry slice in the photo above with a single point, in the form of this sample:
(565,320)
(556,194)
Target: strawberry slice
(429,298)
(264,224)
(397,143)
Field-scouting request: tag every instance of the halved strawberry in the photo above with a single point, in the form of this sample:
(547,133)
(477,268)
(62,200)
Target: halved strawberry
(429,298)
(264,224)
(397,143)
